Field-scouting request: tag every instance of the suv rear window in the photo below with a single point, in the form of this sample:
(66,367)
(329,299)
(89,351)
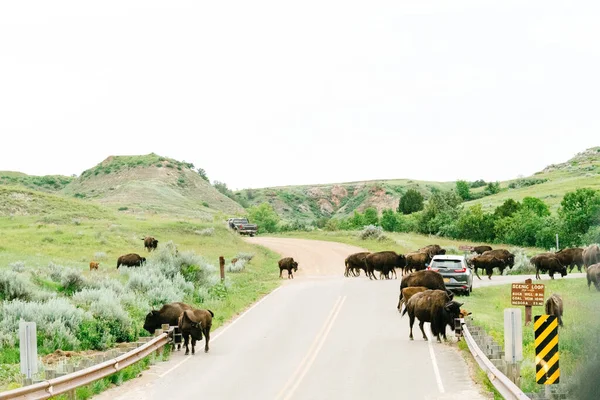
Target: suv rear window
(446,264)
(240,221)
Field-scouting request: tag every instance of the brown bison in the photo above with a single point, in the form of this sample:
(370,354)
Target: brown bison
(554,306)
(416,261)
(427,278)
(355,262)
(571,258)
(547,262)
(384,262)
(193,323)
(409,292)
(432,250)
(168,314)
(591,255)
(593,276)
(94,265)
(150,243)
(288,264)
(481,249)
(432,306)
(131,260)
(507,256)
(487,263)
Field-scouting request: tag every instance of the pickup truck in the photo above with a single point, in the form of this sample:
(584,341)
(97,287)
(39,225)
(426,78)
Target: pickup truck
(242,226)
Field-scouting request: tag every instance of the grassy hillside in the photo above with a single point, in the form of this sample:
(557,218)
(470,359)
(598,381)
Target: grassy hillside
(311,202)
(151,183)
(48,183)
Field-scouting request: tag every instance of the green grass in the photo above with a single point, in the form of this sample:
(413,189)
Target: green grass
(48,183)
(581,316)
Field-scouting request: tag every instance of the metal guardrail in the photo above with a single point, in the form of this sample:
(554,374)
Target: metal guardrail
(63,384)
(503,385)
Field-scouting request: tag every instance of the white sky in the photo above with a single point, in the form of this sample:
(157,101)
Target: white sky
(262,93)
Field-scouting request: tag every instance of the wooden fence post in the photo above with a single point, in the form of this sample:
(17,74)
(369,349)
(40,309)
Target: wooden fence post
(222,267)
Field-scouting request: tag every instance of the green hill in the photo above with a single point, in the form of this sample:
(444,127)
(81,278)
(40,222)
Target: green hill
(151,183)
(47,183)
(310,202)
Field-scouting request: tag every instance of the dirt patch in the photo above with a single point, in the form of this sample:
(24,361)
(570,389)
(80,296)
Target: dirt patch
(61,355)
(325,206)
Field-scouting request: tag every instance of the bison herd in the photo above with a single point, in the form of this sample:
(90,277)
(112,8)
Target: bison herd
(131,259)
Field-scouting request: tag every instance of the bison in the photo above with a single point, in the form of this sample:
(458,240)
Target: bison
(593,276)
(193,323)
(429,279)
(432,250)
(488,263)
(507,256)
(591,255)
(168,314)
(94,265)
(150,243)
(355,262)
(288,264)
(384,262)
(554,306)
(481,249)
(547,262)
(432,306)
(131,260)
(416,261)
(571,257)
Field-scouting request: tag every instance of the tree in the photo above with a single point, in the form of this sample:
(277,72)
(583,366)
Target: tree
(265,217)
(202,174)
(507,209)
(357,220)
(474,224)
(371,217)
(411,202)
(578,211)
(536,205)
(462,188)
(389,222)
(492,188)
(440,214)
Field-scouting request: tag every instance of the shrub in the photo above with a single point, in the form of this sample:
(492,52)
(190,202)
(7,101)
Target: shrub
(17,266)
(237,267)
(205,232)
(99,255)
(205,204)
(522,264)
(370,232)
(72,280)
(245,256)
(14,285)
(76,221)
(411,202)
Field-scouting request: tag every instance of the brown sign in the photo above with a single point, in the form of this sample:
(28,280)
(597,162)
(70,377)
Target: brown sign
(527,294)
(465,248)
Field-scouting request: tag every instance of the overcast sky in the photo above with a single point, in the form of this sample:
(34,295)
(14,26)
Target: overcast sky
(263,93)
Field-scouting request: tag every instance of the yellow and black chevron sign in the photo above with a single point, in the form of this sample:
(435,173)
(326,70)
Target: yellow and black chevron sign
(546,349)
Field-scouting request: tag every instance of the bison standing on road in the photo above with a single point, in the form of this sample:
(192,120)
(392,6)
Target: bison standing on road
(429,279)
(593,276)
(384,262)
(131,260)
(409,292)
(416,261)
(488,263)
(547,262)
(432,306)
(288,264)
(150,243)
(355,262)
(591,255)
(571,257)
(554,306)
(432,250)
(168,314)
(193,323)
(481,249)
(507,256)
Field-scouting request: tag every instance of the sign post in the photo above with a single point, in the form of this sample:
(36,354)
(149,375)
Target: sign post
(527,294)
(222,267)
(513,343)
(28,349)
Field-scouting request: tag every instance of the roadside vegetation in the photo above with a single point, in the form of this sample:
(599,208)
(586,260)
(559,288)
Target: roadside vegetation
(576,339)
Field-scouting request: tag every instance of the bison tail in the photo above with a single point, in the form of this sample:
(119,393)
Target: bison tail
(404,311)
(212,314)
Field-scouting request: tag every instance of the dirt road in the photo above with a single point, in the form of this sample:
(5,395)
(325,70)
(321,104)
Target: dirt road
(319,336)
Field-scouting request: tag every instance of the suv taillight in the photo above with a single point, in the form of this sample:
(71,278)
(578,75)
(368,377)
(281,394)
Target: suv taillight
(433,269)
(241,226)
(460,270)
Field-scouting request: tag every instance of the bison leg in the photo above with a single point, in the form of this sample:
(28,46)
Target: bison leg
(489,272)
(400,303)
(193,345)
(207,336)
(186,338)
(411,322)
(290,274)
(422,330)
(280,272)
(477,273)
(537,272)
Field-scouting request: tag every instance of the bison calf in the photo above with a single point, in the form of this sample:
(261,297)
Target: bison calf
(409,292)
(288,264)
(94,265)
(554,306)
(193,323)
(150,243)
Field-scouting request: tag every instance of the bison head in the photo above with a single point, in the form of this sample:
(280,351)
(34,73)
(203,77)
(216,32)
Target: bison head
(453,307)
(143,260)
(295,265)
(154,243)
(152,321)
(563,271)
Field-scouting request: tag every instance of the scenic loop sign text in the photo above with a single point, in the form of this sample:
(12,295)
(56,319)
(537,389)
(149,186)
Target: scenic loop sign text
(527,294)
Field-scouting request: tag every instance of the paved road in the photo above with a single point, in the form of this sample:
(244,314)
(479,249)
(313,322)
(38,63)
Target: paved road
(319,336)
